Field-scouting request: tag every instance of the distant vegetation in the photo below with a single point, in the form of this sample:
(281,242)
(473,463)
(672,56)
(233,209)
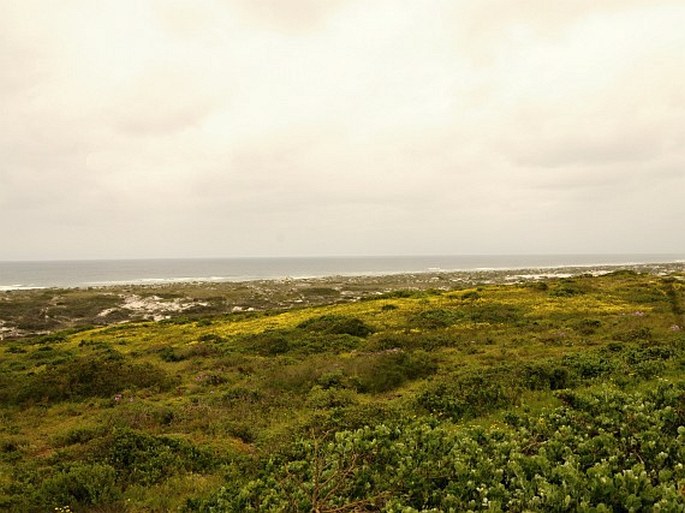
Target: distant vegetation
(557,395)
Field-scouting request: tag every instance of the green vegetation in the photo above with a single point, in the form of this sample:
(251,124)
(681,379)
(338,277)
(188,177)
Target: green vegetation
(558,395)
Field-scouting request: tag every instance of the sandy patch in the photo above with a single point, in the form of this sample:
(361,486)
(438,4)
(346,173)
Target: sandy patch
(153,307)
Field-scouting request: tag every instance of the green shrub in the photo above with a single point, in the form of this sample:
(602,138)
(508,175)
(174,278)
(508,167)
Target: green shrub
(401,294)
(319,397)
(567,288)
(546,376)
(336,378)
(587,326)
(269,343)
(240,394)
(97,375)
(79,435)
(85,484)
(426,341)
(51,338)
(386,371)
(494,313)
(145,459)
(591,365)
(435,318)
(470,395)
(169,354)
(243,430)
(337,325)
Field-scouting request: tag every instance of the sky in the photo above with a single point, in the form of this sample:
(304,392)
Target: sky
(199,128)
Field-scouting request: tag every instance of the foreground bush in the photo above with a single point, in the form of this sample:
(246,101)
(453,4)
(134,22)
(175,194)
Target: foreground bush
(602,451)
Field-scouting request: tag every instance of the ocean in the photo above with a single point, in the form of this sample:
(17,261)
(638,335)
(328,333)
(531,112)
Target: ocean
(94,273)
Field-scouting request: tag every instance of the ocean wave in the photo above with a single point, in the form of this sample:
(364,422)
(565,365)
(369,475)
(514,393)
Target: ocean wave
(9,288)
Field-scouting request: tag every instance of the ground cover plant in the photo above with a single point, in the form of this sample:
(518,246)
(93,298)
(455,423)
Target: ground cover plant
(563,394)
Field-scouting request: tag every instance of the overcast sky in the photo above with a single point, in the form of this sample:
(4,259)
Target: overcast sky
(144,128)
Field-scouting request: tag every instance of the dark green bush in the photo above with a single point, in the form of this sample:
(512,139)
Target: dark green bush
(567,288)
(169,354)
(401,294)
(591,365)
(587,326)
(470,295)
(494,313)
(427,341)
(635,334)
(51,338)
(337,325)
(80,435)
(142,458)
(96,375)
(85,484)
(241,394)
(435,318)
(546,376)
(242,430)
(386,371)
(336,379)
(470,395)
(298,341)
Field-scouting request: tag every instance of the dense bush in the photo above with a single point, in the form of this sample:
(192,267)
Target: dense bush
(81,484)
(329,334)
(494,313)
(470,395)
(388,370)
(142,458)
(567,288)
(95,375)
(337,325)
(435,318)
(603,451)
(425,340)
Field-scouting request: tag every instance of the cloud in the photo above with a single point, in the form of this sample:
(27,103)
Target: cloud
(306,127)
(163,101)
(287,15)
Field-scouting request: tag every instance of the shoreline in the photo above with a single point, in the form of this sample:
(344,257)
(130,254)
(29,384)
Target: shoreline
(210,280)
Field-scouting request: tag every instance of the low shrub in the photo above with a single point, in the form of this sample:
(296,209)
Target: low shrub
(82,484)
(470,395)
(435,318)
(426,341)
(337,325)
(587,326)
(549,375)
(96,375)
(567,288)
(385,371)
(494,313)
(142,458)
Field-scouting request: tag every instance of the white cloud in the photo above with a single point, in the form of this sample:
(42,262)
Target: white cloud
(305,127)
